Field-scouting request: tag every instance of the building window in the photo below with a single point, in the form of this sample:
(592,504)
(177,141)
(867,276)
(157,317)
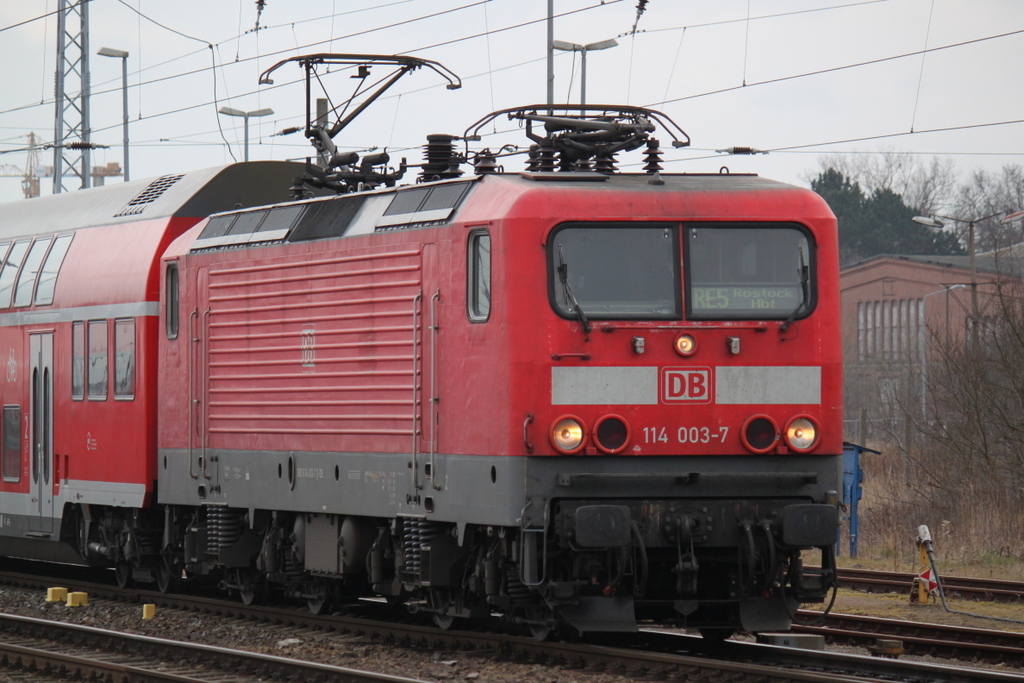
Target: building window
(124,359)
(890,330)
(97,360)
(12,443)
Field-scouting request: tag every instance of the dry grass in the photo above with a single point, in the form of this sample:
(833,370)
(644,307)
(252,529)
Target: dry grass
(977,529)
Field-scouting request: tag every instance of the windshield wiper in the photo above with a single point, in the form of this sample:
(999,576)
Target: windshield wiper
(563,276)
(805,279)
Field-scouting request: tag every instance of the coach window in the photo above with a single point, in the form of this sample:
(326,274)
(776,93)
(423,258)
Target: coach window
(171,301)
(29,272)
(97,369)
(748,271)
(78,361)
(48,275)
(478,268)
(124,359)
(10,271)
(12,443)
(4,246)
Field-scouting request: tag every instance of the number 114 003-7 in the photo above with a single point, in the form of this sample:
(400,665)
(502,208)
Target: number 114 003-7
(686,434)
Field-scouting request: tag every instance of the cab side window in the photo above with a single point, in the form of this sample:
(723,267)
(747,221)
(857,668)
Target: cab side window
(478,268)
(171,301)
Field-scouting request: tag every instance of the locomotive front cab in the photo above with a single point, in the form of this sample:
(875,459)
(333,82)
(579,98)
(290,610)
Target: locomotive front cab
(692,424)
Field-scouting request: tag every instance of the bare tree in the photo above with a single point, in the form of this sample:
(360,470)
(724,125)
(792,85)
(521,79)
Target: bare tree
(972,438)
(987,193)
(928,188)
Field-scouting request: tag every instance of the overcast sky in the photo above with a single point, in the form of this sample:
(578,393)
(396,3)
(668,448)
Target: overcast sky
(799,78)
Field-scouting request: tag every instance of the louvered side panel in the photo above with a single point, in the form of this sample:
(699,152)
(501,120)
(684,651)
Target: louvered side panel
(316,355)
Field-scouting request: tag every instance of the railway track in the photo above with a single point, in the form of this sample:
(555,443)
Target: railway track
(918,638)
(875,581)
(649,654)
(54,649)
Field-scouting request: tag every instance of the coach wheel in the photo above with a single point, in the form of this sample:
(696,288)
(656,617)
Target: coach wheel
(123,574)
(82,534)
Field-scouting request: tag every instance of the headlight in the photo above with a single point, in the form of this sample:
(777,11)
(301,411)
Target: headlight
(611,433)
(802,433)
(568,434)
(685,345)
(759,433)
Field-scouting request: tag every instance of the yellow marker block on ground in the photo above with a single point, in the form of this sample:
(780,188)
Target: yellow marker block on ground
(148,611)
(78,599)
(56,594)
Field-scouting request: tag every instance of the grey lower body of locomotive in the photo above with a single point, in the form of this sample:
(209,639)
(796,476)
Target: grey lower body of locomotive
(582,504)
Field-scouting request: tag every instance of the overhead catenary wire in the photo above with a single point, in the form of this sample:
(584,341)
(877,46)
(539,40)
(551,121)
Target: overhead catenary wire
(490,71)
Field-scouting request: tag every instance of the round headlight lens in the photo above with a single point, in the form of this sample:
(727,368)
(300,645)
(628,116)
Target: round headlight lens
(760,433)
(685,345)
(611,434)
(801,434)
(567,434)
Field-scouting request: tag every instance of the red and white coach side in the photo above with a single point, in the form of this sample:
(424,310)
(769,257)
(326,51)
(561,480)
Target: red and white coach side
(79,289)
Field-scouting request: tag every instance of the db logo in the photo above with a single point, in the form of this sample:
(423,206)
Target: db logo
(686,385)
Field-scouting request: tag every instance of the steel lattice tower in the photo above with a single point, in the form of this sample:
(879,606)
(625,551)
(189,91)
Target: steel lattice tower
(71,132)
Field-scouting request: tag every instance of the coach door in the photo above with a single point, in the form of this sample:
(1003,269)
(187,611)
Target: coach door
(41,430)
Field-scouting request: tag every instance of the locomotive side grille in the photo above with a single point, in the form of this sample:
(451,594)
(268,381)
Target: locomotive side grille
(327,219)
(434,204)
(315,355)
(249,227)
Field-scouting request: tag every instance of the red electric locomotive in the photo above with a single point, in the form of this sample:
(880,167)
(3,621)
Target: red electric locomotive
(577,397)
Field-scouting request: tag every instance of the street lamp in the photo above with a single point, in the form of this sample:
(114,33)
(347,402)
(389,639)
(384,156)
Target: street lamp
(245,115)
(934,222)
(583,50)
(123,56)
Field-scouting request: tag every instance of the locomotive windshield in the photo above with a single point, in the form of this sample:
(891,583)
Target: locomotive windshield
(631,271)
(747,273)
(616,271)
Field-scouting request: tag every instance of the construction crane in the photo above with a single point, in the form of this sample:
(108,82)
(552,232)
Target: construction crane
(32,172)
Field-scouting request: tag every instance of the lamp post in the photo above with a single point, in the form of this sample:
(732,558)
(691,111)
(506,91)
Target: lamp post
(934,222)
(123,56)
(228,111)
(583,50)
